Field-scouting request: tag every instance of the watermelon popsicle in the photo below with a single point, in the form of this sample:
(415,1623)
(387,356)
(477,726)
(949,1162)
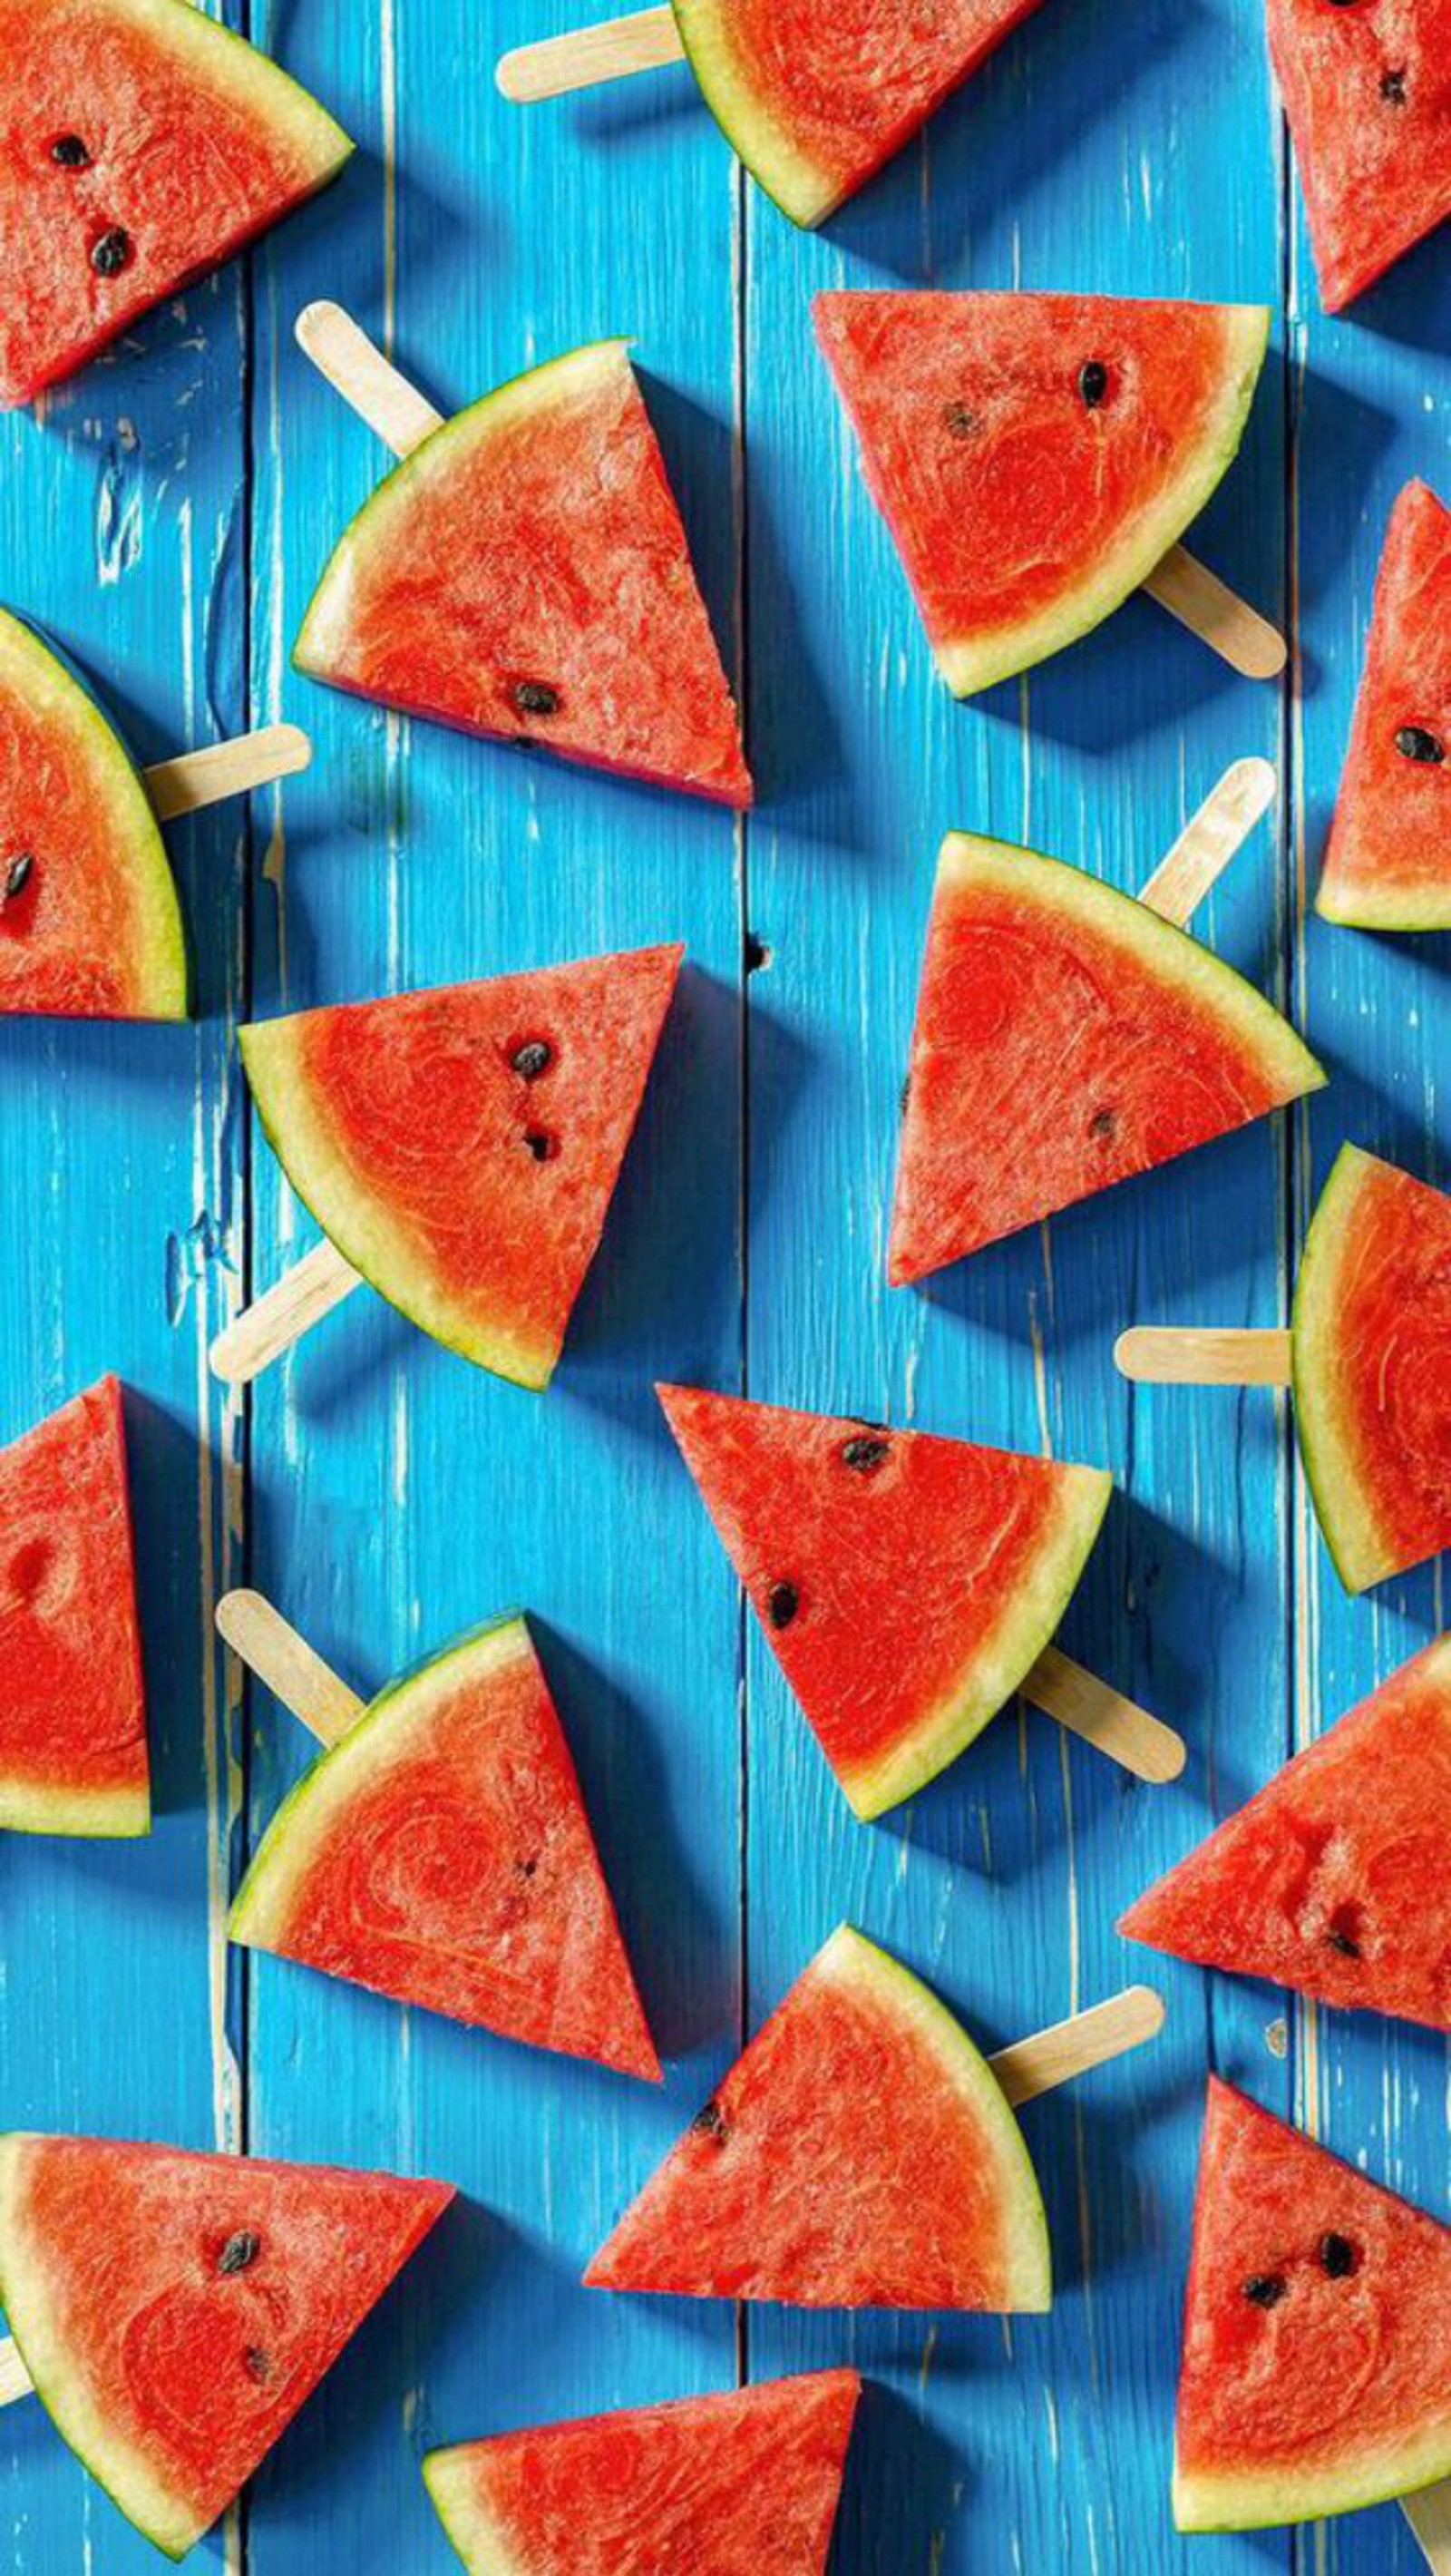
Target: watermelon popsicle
(90,920)
(1368,1356)
(440,1852)
(863,2094)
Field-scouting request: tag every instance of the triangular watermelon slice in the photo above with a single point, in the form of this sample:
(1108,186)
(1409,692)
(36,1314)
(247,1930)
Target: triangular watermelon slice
(1388,861)
(461,1146)
(1036,456)
(1334,1879)
(141,144)
(745,2484)
(1365,94)
(816,99)
(524,575)
(1372,1368)
(861,2154)
(441,1853)
(1317,2366)
(1066,1038)
(90,926)
(72,1700)
(175,2310)
(907,1584)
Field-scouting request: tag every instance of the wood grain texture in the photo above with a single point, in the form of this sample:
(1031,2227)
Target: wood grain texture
(168,516)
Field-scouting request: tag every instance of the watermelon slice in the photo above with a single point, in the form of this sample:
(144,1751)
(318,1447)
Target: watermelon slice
(1372,1368)
(90,926)
(175,2310)
(861,2154)
(744,2484)
(1066,1038)
(907,1584)
(1333,1880)
(461,1146)
(1317,2366)
(141,144)
(1365,91)
(1388,862)
(1036,456)
(524,575)
(815,100)
(72,1701)
(441,1854)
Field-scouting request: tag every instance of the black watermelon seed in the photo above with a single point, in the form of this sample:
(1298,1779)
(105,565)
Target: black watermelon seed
(541,1144)
(536,698)
(1342,1941)
(1265,2289)
(239,2251)
(527,1868)
(1413,742)
(961,420)
(865,1454)
(534,1057)
(111,253)
(783,1601)
(68,152)
(1093,383)
(259,2363)
(1338,2256)
(19,874)
(1393,88)
(711,2123)
(1102,1123)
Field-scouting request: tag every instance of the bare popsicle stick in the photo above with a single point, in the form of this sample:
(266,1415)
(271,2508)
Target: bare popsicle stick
(15,2379)
(613,50)
(1053,2057)
(197,778)
(1209,841)
(1172,1355)
(1103,1717)
(270,1326)
(1429,2515)
(291,1669)
(341,350)
(1217,615)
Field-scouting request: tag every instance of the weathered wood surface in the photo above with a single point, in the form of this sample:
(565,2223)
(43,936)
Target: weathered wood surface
(167,517)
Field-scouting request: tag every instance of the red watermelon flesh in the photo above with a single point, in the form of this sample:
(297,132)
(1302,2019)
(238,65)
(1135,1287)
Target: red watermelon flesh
(175,2310)
(815,100)
(1066,1038)
(1317,2359)
(1334,1880)
(441,1853)
(860,2154)
(140,145)
(524,574)
(72,1700)
(745,2484)
(1367,90)
(1388,862)
(1036,456)
(461,1146)
(1372,1367)
(906,1583)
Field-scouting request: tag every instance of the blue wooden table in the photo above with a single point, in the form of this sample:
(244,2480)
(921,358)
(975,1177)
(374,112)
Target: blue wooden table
(167,517)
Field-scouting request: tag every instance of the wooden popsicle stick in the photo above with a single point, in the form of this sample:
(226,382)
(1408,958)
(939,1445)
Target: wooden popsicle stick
(613,50)
(1209,841)
(1173,1355)
(1429,2515)
(1217,615)
(341,350)
(15,2379)
(1118,1726)
(270,1326)
(1052,2057)
(291,1669)
(197,778)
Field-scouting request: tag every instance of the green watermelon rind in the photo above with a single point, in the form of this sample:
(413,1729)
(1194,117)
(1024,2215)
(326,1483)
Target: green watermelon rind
(101,1815)
(969,664)
(1335,1487)
(1262,2502)
(41,677)
(313,1807)
(473,2531)
(791,179)
(1002,1661)
(225,60)
(1383,907)
(161,2513)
